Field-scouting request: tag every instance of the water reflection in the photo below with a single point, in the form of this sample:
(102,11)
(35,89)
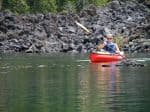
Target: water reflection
(99,87)
(108,75)
(62,84)
(109,78)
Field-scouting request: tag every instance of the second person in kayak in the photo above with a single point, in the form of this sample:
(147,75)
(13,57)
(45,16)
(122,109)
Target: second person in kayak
(108,45)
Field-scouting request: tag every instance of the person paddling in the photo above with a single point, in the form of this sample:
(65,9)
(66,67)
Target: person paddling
(108,45)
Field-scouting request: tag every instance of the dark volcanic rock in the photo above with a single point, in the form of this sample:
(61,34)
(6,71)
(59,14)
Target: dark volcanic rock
(46,33)
(130,63)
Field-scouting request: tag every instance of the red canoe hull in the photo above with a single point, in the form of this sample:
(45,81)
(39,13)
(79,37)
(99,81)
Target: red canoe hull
(95,57)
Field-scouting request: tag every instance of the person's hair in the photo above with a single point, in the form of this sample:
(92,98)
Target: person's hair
(109,35)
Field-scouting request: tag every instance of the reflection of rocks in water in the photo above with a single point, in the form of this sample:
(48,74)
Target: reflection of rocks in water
(130,63)
(126,63)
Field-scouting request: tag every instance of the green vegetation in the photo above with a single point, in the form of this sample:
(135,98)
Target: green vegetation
(43,6)
(119,40)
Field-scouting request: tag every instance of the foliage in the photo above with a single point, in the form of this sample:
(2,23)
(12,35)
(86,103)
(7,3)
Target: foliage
(98,2)
(70,6)
(1,4)
(43,6)
(18,6)
(119,40)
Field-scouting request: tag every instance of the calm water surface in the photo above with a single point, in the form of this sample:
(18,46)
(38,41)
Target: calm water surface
(70,83)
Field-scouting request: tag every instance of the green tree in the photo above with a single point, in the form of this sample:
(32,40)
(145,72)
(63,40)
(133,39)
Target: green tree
(60,4)
(98,2)
(1,2)
(80,4)
(18,6)
(70,6)
(42,5)
(101,2)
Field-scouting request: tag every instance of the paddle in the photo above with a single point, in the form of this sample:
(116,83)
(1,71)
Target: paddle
(83,27)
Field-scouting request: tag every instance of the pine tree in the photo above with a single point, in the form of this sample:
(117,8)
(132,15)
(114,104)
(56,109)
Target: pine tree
(17,6)
(1,2)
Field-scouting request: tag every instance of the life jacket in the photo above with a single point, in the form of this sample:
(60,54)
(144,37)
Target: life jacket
(110,47)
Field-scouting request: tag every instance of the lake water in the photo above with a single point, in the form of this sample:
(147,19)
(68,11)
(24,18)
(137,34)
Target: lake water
(70,83)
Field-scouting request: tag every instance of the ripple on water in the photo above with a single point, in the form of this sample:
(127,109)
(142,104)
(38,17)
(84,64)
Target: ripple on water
(83,60)
(41,66)
(141,59)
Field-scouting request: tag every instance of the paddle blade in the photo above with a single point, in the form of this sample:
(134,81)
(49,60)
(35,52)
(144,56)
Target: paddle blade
(83,27)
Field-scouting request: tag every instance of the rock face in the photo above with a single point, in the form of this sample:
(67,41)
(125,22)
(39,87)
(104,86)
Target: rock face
(47,33)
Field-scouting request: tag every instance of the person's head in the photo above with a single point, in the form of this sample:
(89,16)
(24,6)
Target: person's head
(109,37)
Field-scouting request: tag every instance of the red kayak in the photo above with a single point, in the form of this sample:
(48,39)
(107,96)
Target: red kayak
(105,57)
